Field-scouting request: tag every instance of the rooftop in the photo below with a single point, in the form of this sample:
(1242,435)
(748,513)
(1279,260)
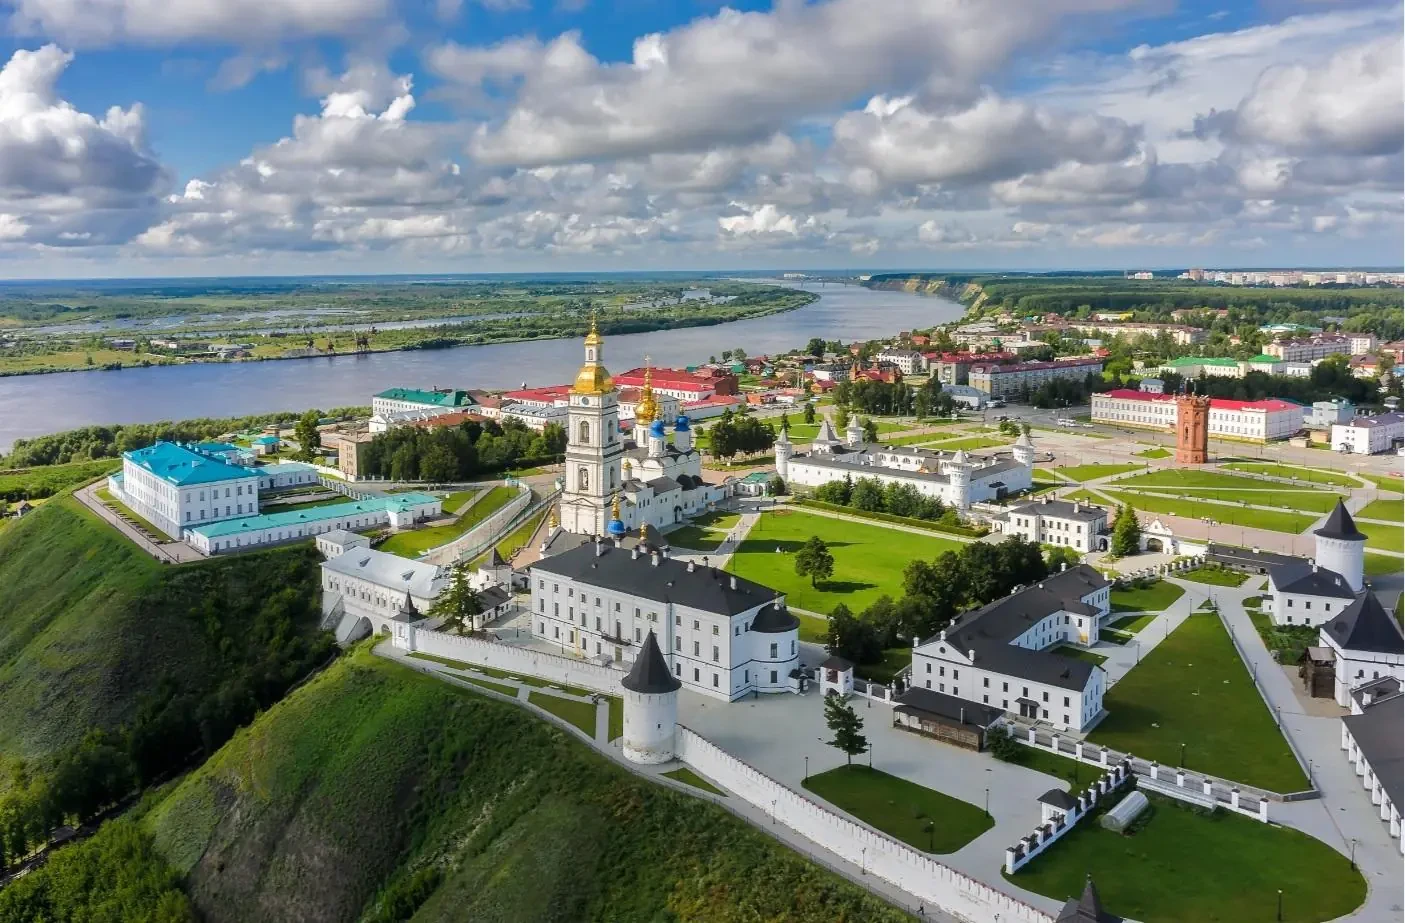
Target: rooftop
(439,398)
(183,467)
(1186,361)
(1383,419)
(1216,403)
(388,570)
(1062,509)
(1377,732)
(949,709)
(1365,626)
(312,514)
(650,674)
(1340,525)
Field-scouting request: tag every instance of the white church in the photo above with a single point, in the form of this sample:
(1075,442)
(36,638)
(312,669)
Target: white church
(957,480)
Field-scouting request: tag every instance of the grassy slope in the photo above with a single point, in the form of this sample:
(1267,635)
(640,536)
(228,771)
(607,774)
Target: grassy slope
(371,773)
(901,808)
(1389,510)
(88,624)
(410,544)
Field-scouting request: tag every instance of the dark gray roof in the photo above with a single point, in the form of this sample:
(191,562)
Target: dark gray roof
(835,662)
(1062,509)
(495,559)
(1378,732)
(1375,689)
(1306,579)
(1365,626)
(493,596)
(564,541)
(1248,557)
(774,619)
(1058,798)
(1339,524)
(989,630)
(668,581)
(650,673)
(949,709)
(663,485)
(1086,909)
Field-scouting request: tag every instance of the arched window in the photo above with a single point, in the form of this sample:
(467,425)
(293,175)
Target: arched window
(583,479)
(585,432)
(612,478)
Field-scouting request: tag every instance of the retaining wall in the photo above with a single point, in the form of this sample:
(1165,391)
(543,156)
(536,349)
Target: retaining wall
(517,660)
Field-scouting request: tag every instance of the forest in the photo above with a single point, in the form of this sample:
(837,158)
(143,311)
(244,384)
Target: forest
(457,453)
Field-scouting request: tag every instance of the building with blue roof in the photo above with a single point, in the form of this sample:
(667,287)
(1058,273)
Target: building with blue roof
(174,487)
(394,510)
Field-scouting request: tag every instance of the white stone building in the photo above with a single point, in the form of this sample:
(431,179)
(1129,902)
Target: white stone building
(362,583)
(1366,645)
(722,636)
(1248,421)
(1314,592)
(393,400)
(1369,435)
(1372,739)
(1077,525)
(396,511)
(998,655)
(175,488)
(1004,381)
(1309,349)
(909,361)
(956,479)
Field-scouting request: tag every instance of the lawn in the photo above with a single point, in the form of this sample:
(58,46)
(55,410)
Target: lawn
(1184,865)
(1285,521)
(868,559)
(1389,510)
(1214,576)
(1192,689)
(124,511)
(1303,501)
(47,480)
(1154,598)
(1064,768)
(1386,538)
(581,714)
(305,505)
(616,705)
(1386,482)
(417,541)
(1068,650)
(455,501)
(894,660)
(1046,474)
(1192,478)
(969,444)
(501,688)
(1380,565)
(519,536)
(902,809)
(1089,472)
(1291,472)
(704,533)
(1154,452)
(1133,623)
(813,628)
(688,777)
(1288,641)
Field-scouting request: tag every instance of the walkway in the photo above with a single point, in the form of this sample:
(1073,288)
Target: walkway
(169,552)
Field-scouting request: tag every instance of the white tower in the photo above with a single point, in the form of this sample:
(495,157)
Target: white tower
(1024,450)
(825,440)
(593,445)
(783,452)
(959,471)
(853,433)
(650,706)
(1341,547)
(658,439)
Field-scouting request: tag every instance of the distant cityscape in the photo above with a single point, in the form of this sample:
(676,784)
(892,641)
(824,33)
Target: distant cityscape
(1283,277)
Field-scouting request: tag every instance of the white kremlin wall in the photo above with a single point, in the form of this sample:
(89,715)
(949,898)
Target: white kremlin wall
(518,660)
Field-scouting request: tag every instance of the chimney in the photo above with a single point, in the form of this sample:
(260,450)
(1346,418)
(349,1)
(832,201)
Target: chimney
(733,581)
(634,553)
(963,714)
(690,567)
(599,548)
(1063,566)
(1314,568)
(655,558)
(971,655)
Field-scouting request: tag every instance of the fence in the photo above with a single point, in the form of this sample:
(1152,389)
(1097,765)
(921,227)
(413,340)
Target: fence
(513,659)
(467,545)
(1060,823)
(937,885)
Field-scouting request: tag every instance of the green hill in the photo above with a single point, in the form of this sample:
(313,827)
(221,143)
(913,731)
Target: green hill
(374,793)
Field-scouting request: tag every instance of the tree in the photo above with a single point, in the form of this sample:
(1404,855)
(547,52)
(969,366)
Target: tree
(459,603)
(814,560)
(868,495)
(815,347)
(852,638)
(775,487)
(1002,745)
(785,421)
(846,725)
(306,435)
(438,464)
(841,418)
(870,430)
(1126,532)
(1059,556)
(405,463)
(809,412)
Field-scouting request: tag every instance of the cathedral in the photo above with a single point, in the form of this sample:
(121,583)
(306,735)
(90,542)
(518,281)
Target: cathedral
(649,480)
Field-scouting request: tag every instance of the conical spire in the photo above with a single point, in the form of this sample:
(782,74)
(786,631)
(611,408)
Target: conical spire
(408,606)
(1339,524)
(650,673)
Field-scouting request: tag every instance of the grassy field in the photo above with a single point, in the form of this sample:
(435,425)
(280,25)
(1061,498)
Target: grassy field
(519,536)
(969,444)
(704,533)
(1386,482)
(1214,576)
(1063,768)
(1379,565)
(581,714)
(1272,520)
(1310,475)
(1193,689)
(500,688)
(1133,623)
(455,501)
(305,505)
(1184,865)
(1154,598)
(1302,501)
(330,803)
(1089,472)
(868,560)
(1388,510)
(1386,538)
(127,513)
(1069,650)
(902,809)
(1048,474)
(894,659)
(1154,452)
(415,542)
(1193,478)
(47,480)
(688,777)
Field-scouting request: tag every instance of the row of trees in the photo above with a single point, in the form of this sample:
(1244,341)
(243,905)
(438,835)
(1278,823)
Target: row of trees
(877,397)
(456,453)
(873,496)
(740,434)
(934,592)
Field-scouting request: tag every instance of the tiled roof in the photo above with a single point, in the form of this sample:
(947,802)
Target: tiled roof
(437,398)
(312,514)
(182,467)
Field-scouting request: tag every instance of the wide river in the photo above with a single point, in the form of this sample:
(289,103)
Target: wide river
(31,405)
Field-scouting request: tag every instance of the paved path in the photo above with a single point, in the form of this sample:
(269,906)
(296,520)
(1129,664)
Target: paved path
(168,552)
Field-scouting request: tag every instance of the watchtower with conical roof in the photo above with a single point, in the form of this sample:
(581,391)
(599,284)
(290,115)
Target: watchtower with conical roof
(1341,547)
(650,706)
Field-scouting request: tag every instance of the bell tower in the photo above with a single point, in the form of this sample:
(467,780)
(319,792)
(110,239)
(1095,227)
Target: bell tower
(1192,429)
(594,449)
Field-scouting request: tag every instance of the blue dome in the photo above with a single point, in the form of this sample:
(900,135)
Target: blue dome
(615,528)
(681,425)
(657,429)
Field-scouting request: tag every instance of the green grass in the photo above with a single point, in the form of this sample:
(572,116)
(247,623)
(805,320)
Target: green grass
(1214,576)
(1154,598)
(1380,565)
(1289,641)
(812,628)
(688,777)
(1272,520)
(969,444)
(1310,475)
(305,505)
(1133,623)
(500,688)
(126,512)
(1195,478)
(1300,500)
(1184,865)
(704,533)
(1386,538)
(1388,510)
(581,714)
(1068,650)
(1154,452)
(1063,768)
(450,662)
(455,501)
(1047,474)
(520,536)
(327,805)
(929,525)
(413,543)
(1082,473)
(616,717)
(1386,482)
(868,559)
(47,480)
(894,660)
(1193,689)
(901,809)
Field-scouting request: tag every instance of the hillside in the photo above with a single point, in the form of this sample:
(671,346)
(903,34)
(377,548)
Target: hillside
(95,635)
(374,793)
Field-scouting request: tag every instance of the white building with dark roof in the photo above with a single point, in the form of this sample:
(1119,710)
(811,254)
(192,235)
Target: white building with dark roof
(998,655)
(1366,643)
(1068,524)
(1373,740)
(722,636)
(1369,435)
(365,584)
(1312,592)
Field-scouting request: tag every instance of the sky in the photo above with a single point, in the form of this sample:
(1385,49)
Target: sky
(216,137)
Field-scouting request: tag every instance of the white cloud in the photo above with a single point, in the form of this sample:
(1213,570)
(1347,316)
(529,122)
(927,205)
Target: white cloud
(159,22)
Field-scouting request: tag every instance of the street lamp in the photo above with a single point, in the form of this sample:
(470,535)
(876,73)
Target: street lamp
(863,867)
(987,802)
(773,811)
(1353,854)
(1182,763)
(807,768)
(1280,904)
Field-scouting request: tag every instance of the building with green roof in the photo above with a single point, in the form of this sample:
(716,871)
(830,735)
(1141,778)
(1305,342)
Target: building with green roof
(393,510)
(1210,366)
(394,400)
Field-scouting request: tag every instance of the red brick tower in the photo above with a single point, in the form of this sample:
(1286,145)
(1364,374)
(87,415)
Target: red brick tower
(1192,429)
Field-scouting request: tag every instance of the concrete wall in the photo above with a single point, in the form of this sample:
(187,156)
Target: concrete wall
(518,660)
(933,883)
(488,528)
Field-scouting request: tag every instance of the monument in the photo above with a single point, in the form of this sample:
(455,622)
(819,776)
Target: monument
(1192,428)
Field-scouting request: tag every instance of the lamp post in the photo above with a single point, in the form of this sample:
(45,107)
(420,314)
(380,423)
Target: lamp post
(773,811)
(863,870)
(931,840)
(987,802)
(1353,854)
(1280,905)
(807,768)
(1182,763)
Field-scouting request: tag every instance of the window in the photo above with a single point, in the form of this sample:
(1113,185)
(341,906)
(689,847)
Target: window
(1065,704)
(695,623)
(1065,719)
(570,592)
(955,673)
(986,682)
(1290,604)
(584,432)
(941,687)
(637,637)
(617,607)
(941,671)
(714,631)
(597,601)
(716,655)
(714,681)
(677,644)
(678,669)
(1046,714)
(985,699)
(929,684)
(582,479)
(696,674)
(1004,687)
(929,667)
(696,649)
(773,677)
(1307,604)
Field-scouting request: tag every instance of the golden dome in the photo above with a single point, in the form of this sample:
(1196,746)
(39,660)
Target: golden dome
(647,408)
(593,338)
(593,379)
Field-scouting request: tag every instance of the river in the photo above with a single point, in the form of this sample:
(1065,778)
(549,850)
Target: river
(32,405)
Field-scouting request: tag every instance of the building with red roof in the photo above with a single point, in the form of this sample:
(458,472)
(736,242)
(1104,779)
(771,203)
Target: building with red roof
(681,383)
(1247,421)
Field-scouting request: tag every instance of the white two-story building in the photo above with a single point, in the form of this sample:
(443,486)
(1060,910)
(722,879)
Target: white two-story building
(1070,524)
(721,635)
(999,655)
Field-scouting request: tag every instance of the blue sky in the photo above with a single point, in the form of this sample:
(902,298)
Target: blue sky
(301,136)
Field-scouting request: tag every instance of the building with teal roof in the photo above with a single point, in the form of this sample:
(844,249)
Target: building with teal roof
(394,400)
(393,510)
(174,486)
